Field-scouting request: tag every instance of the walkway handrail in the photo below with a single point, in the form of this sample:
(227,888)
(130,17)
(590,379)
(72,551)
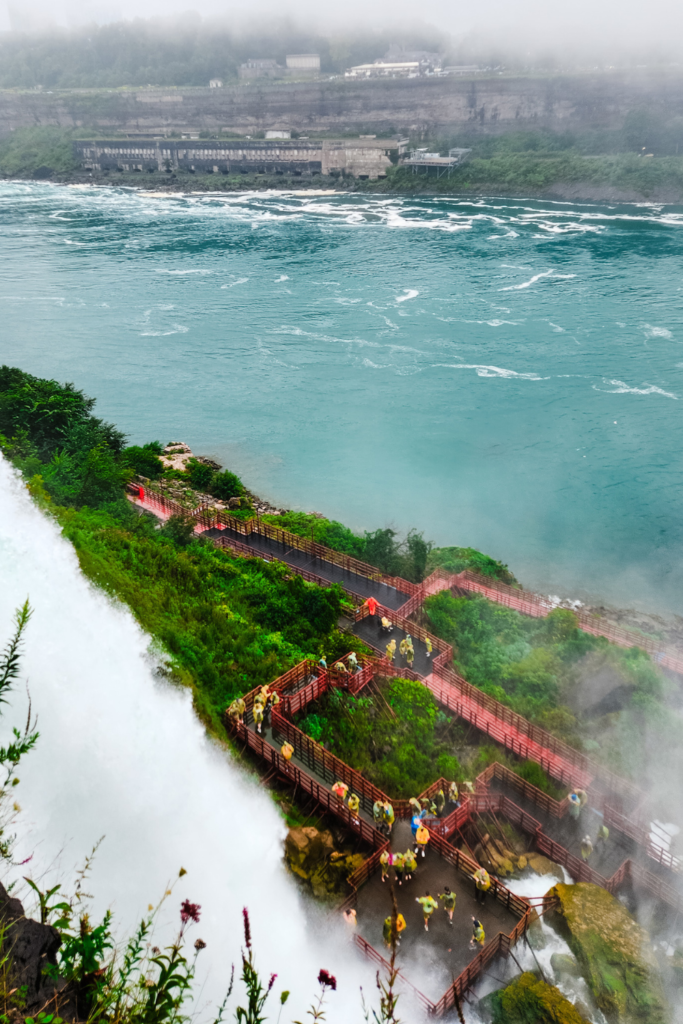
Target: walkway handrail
(326,764)
(372,954)
(555,808)
(248,552)
(310,547)
(302,780)
(641,836)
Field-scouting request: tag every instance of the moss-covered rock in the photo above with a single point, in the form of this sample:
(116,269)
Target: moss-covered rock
(613,952)
(312,856)
(528,1000)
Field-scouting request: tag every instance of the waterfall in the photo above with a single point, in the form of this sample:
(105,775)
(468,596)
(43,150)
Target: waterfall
(122,755)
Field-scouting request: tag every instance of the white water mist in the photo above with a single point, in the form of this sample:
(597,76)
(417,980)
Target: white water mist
(124,756)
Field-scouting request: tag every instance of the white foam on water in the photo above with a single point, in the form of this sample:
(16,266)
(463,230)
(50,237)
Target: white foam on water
(232,284)
(410,293)
(656,332)
(534,279)
(620,388)
(282,277)
(122,754)
(492,371)
(182,273)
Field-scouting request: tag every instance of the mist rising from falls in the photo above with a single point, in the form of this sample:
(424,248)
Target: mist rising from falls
(122,755)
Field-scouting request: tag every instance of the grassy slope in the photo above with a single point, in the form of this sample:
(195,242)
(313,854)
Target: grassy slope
(535,665)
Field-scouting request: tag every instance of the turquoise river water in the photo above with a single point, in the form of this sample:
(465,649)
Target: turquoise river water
(500,373)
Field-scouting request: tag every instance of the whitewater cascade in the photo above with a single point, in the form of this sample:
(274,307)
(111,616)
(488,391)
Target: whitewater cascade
(122,755)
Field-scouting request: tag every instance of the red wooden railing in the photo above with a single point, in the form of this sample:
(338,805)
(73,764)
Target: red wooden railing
(247,527)
(554,808)
(613,819)
(305,782)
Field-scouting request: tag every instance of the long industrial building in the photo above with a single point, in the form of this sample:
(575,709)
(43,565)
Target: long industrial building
(363,158)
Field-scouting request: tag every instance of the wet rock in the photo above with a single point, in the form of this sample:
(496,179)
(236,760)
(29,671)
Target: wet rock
(313,857)
(543,866)
(31,947)
(234,502)
(613,952)
(565,963)
(529,999)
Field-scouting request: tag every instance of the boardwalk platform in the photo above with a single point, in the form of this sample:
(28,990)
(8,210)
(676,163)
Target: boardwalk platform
(359,585)
(430,960)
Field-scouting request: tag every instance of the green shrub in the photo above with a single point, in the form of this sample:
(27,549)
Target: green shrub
(145,461)
(401,752)
(226,485)
(200,475)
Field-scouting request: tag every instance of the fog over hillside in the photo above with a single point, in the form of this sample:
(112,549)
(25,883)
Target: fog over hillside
(583,33)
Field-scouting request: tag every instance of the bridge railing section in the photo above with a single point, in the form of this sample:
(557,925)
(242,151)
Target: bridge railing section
(613,819)
(325,765)
(256,526)
(248,552)
(505,775)
(499,945)
(371,953)
(604,781)
(307,784)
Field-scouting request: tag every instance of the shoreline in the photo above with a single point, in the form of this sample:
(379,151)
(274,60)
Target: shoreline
(567,192)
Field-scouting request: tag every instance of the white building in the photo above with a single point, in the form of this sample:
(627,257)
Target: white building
(386,69)
(216,83)
(277,133)
(308,63)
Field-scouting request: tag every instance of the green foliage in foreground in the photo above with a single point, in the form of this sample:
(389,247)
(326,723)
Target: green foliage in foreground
(400,740)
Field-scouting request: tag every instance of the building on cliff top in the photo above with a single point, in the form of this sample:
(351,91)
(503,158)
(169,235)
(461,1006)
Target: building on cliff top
(260,68)
(303,64)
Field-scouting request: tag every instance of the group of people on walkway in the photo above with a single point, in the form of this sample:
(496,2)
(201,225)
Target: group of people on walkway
(406,648)
(382,811)
(428,905)
(264,702)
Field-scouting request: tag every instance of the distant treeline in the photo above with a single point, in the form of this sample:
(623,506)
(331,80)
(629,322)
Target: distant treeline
(183,51)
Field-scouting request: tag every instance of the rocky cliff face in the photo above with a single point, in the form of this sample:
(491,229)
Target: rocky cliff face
(486,104)
(315,858)
(31,947)
(613,952)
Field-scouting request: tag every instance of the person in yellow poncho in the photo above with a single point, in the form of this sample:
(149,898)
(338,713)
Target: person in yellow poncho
(429,905)
(421,839)
(386,930)
(478,934)
(482,880)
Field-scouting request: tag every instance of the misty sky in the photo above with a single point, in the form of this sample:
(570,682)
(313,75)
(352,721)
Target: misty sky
(588,25)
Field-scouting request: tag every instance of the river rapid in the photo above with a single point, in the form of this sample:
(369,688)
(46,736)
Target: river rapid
(505,374)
